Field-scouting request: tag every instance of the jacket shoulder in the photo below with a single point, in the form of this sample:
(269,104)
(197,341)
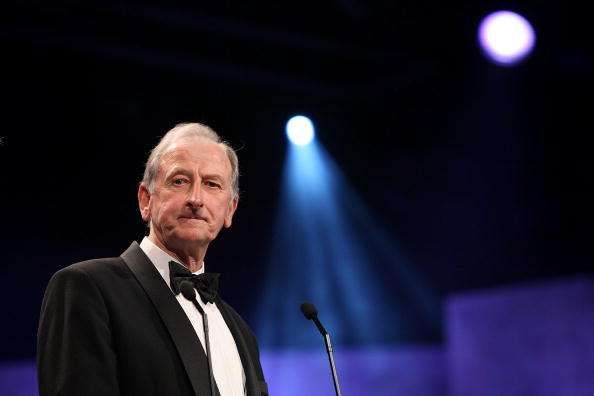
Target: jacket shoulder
(94,265)
(97,269)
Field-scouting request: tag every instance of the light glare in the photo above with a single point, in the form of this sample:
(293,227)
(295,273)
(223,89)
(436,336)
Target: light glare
(300,130)
(506,37)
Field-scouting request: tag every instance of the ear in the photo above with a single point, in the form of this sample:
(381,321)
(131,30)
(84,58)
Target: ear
(230,211)
(144,201)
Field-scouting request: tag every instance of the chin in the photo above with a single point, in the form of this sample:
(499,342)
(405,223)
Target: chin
(194,236)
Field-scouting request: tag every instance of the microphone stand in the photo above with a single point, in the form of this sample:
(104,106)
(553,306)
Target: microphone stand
(330,352)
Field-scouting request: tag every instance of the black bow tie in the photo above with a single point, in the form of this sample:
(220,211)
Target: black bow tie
(206,284)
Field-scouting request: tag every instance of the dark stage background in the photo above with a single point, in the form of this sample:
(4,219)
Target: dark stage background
(483,174)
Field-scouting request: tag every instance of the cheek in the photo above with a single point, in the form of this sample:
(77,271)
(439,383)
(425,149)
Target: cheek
(160,211)
(166,211)
(225,212)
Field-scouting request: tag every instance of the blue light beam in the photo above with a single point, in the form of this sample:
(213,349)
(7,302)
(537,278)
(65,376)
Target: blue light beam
(327,248)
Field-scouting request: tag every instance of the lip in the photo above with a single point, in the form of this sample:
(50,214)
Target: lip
(192,218)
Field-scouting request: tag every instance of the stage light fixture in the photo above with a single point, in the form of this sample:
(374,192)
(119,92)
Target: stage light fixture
(300,130)
(506,37)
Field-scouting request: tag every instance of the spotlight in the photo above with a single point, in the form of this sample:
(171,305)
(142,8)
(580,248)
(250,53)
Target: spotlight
(300,130)
(506,37)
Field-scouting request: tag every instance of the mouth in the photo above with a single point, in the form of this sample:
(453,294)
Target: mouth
(192,218)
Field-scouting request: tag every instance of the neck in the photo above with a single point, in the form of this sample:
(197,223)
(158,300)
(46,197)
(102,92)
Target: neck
(192,259)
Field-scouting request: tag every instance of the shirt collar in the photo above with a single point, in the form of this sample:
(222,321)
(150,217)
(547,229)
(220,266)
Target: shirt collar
(161,259)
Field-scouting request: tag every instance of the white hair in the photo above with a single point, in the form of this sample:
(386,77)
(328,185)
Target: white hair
(188,130)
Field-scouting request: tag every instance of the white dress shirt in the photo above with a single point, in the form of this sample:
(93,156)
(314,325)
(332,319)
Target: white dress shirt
(226,363)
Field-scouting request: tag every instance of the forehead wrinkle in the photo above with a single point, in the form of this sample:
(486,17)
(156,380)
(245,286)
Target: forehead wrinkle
(177,169)
(181,152)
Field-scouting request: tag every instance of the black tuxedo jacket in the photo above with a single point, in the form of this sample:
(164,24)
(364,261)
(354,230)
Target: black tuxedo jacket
(113,327)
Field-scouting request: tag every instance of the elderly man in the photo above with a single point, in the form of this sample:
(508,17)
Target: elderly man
(132,325)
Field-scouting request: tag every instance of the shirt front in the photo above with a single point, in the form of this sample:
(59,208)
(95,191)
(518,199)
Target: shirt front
(226,363)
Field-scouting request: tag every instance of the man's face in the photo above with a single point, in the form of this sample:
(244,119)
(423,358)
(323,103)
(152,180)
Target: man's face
(192,198)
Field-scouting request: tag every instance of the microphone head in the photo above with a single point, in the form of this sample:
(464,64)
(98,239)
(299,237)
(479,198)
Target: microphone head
(187,289)
(309,310)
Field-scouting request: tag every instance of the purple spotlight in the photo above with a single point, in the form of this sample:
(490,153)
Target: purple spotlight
(506,37)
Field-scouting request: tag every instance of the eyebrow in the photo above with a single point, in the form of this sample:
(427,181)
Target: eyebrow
(215,176)
(178,170)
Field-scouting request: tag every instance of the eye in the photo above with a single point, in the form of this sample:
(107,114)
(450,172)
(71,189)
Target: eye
(178,181)
(212,184)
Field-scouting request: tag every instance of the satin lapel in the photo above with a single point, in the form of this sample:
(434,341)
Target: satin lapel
(175,320)
(251,380)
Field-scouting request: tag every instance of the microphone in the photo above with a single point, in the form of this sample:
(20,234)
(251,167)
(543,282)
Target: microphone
(311,313)
(187,290)
(309,310)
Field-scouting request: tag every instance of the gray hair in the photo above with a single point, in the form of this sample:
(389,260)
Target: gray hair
(188,130)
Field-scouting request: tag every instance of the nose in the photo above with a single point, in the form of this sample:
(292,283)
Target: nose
(195,196)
